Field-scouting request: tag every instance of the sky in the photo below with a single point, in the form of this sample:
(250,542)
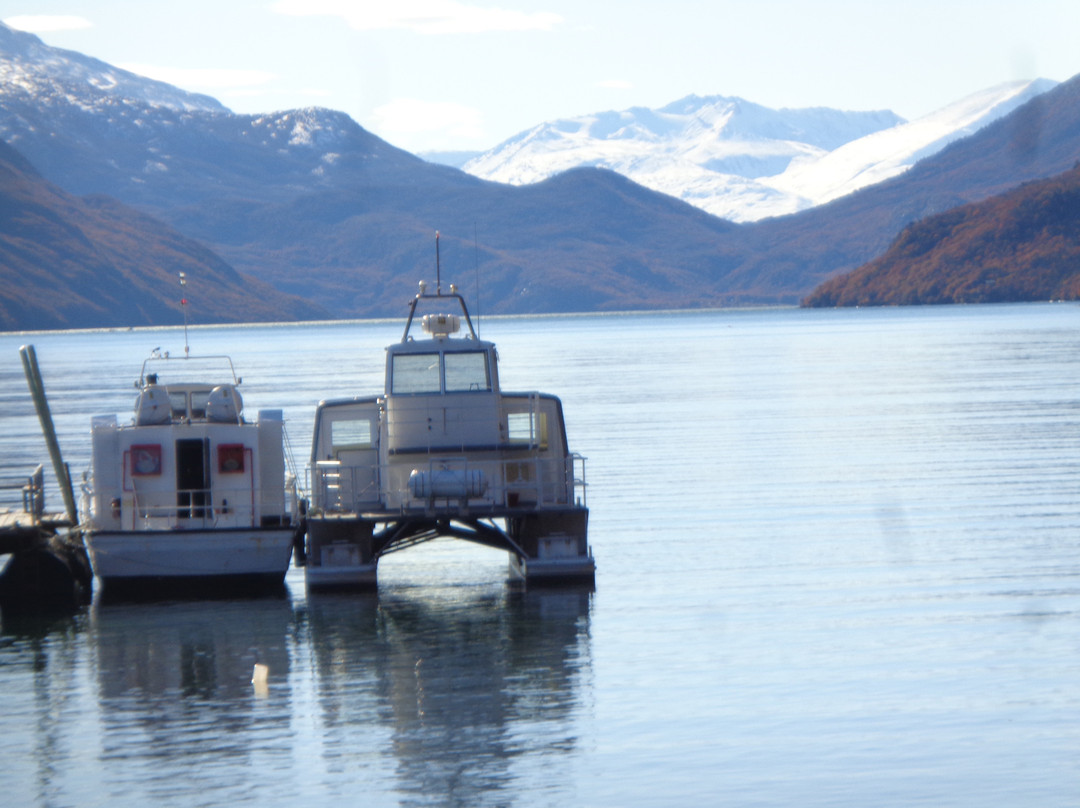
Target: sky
(447,75)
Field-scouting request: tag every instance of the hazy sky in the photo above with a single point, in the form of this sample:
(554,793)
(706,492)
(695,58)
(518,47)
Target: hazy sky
(467,74)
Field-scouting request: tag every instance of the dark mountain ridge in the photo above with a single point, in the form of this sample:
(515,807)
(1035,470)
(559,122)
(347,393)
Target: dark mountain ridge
(1023,245)
(69,262)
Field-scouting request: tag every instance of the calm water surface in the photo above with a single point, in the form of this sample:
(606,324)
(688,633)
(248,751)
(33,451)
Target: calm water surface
(838,565)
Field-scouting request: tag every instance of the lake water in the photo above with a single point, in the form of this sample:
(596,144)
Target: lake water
(838,565)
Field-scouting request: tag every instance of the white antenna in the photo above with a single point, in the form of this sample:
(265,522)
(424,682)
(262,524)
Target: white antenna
(438,266)
(476,264)
(183,305)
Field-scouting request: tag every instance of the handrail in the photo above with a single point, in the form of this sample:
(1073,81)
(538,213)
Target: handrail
(165,357)
(334,486)
(165,506)
(31,490)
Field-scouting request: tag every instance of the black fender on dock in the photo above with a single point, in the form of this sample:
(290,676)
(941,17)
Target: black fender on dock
(45,571)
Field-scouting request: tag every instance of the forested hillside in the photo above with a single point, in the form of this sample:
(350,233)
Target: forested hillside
(1022,245)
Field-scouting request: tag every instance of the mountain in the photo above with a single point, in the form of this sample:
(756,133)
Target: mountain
(711,152)
(311,203)
(890,152)
(33,69)
(769,259)
(742,161)
(67,262)
(1021,245)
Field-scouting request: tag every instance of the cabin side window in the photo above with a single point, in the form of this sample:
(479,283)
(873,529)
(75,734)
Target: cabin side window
(523,427)
(351,434)
(178,404)
(415,373)
(198,403)
(467,372)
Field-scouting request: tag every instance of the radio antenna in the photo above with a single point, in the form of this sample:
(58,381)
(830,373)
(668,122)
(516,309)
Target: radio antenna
(476,263)
(438,267)
(183,305)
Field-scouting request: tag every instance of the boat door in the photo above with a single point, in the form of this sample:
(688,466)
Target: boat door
(192,477)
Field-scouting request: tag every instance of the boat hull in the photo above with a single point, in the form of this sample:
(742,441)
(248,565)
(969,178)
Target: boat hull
(356,576)
(537,570)
(251,555)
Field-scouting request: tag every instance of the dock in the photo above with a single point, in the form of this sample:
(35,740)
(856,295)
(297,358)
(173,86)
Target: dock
(43,564)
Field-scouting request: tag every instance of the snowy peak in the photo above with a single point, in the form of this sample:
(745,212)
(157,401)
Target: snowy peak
(708,151)
(719,134)
(28,66)
(885,154)
(740,160)
(98,129)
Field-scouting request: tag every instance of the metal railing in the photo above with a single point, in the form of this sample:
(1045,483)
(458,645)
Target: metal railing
(195,507)
(26,494)
(510,483)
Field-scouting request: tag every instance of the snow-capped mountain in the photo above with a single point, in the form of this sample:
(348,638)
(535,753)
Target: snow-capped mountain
(95,128)
(32,68)
(881,155)
(742,161)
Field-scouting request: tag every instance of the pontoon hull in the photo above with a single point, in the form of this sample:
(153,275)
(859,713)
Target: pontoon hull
(342,576)
(536,570)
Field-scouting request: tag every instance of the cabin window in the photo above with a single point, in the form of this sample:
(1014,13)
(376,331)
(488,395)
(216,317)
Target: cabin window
(527,427)
(467,372)
(178,404)
(415,373)
(198,403)
(351,434)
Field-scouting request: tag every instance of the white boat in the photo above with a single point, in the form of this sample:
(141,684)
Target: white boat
(189,492)
(444,452)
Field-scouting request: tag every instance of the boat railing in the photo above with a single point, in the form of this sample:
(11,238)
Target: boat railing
(448,481)
(222,506)
(219,363)
(25,493)
(576,473)
(338,488)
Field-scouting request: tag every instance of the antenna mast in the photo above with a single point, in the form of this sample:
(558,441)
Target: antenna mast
(438,267)
(476,261)
(183,305)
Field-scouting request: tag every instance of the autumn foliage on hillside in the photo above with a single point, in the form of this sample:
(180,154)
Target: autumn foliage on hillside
(1021,246)
(91,262)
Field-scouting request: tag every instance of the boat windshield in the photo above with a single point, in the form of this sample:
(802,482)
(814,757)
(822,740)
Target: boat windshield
(465,371)
(415,373)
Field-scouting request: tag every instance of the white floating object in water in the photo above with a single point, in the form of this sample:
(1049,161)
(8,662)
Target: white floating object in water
(258,678)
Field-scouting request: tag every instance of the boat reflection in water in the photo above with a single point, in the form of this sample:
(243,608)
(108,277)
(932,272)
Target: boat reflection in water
(204,649)
(453,691)
(463,690)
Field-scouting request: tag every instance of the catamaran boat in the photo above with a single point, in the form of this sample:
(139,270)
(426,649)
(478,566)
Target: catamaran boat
(444,452)
(190,491)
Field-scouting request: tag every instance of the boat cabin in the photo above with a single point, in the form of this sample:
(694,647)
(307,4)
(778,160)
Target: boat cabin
(188,459)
